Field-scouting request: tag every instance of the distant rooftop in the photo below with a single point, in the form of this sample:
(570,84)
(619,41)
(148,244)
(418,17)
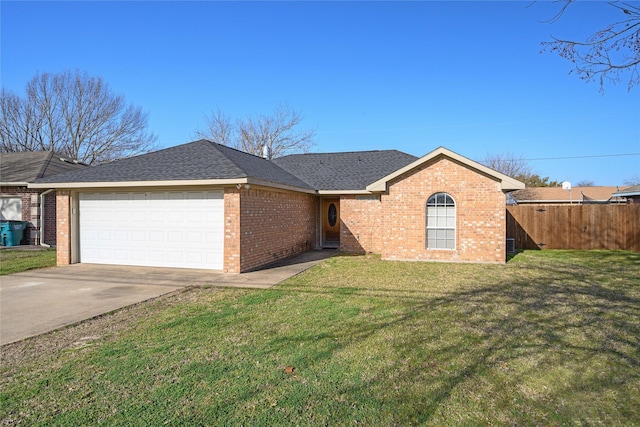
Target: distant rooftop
(560,195)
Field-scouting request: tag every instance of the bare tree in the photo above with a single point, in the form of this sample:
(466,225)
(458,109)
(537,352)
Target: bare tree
(634,180)
(272,136)
(509,164)
(516,166)
(219,129)
(585,183)
(608,54)
(18,124)
(74,114)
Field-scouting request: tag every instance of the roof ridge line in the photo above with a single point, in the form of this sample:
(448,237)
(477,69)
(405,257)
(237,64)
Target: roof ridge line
(45,164)
(230,148)
(348,152)
(217,146)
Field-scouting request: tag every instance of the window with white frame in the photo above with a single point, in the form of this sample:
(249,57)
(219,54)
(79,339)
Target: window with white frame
(11,208)
(441,222)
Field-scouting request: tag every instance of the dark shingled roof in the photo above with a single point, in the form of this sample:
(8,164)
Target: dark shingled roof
(203,160)
(29,166)
(198,160)
(344,171)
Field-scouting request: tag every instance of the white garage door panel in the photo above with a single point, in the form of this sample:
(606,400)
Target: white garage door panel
(164,229)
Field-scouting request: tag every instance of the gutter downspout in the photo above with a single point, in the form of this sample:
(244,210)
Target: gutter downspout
(41,231)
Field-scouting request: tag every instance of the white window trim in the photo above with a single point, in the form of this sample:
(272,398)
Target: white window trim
(445,227)
(18,212)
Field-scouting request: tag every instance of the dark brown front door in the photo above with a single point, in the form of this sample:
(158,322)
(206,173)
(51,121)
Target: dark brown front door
(331,223)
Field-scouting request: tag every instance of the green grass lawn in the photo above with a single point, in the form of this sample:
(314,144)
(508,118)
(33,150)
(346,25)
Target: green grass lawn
(15,261)
(551,338)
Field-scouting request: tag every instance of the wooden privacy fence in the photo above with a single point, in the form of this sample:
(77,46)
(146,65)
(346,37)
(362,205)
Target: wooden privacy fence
(575,226)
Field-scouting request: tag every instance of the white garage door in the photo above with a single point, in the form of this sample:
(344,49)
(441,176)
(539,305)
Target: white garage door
(182,229)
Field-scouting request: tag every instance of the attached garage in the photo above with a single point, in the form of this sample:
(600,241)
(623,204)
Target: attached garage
(205,205)
(183,229)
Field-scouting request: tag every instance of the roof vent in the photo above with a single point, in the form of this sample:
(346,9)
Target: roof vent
(72,161)
(266,152)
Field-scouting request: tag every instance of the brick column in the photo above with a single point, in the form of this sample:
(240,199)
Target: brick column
(36,221)
(231,231)
(63,238)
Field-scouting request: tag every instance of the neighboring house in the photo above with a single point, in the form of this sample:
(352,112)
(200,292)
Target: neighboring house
(204,205)
(35,206)
(560,196)
(632,194)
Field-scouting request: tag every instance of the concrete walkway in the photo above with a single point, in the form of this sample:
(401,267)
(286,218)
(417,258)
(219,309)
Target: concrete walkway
(38,301)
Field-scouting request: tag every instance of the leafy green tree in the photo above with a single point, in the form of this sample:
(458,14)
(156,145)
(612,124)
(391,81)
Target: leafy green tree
(536,180)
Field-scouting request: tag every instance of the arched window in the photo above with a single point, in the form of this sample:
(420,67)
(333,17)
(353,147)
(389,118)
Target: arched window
(441,222)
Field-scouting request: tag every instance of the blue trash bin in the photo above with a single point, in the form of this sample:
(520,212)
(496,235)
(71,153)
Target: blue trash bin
(18,231)
(6,234)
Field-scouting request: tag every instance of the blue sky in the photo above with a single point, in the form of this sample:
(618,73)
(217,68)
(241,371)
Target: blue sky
(366,76)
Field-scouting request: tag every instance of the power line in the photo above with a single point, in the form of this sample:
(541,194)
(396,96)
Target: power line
(580,157)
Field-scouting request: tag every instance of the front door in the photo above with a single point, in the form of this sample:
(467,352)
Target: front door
(330,223)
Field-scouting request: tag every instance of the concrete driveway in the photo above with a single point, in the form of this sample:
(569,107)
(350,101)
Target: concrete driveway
(38,301)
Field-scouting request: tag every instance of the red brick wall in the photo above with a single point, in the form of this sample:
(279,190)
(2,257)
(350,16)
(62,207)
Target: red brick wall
(265,225)
(231,263)
(274,225)
(63,213)
(362,220)
(50,218)
(31,212)
(396,226)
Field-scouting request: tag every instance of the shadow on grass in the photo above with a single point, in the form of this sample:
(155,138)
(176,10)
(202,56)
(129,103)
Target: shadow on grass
(550,338)
(556,345)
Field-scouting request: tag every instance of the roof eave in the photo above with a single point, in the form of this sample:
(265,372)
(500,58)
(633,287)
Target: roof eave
(510,184)
(506,182)
(626,194)
(169,183)
(14,184)
(263,183)
(343,192)
(128,184)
